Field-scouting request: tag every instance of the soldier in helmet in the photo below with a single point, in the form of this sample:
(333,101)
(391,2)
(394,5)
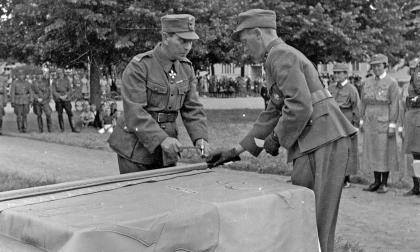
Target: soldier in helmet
(379,116)
(410,131)
(348,100)
(20,98)
(42,97)
(156,86)
(61,90)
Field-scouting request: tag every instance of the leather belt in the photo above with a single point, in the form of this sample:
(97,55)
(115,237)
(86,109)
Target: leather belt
(164,117)
(320,95)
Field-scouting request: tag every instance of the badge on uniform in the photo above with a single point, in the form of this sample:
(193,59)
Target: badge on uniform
(172,74)
(276,96)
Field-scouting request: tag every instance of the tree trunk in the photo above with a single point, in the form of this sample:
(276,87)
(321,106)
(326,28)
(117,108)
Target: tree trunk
(95,87)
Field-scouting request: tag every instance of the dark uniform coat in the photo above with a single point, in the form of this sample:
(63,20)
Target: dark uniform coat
(41,90)
(148,87)
(310,125)
(3,95)
(411,121)
(379,109)
(347,98)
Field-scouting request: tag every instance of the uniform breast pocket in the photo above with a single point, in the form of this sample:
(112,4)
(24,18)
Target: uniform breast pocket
(157,94)
(183,88)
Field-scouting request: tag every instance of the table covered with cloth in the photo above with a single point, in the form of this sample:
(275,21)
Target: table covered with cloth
(209,210)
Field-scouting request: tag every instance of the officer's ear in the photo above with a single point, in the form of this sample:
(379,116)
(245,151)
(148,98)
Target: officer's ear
(165,38)
(257,32)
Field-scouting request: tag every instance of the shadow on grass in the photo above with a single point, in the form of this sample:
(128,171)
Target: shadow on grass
(14,181)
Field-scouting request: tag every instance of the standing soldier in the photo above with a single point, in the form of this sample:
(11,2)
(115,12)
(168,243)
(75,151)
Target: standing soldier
(379,115)
(42,96)
(301,116)
(347,97)
(61,89)
(156,86)
(3,99)
(411,129)
(20,98)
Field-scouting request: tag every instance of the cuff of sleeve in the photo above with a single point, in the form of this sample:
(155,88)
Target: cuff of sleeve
(248,144)
(152,142)
(392,125)
(400,129)
(361,122)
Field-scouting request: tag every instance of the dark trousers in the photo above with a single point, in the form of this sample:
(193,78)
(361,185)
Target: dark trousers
(63,105)
(323,171)
(21,111)
(127,166)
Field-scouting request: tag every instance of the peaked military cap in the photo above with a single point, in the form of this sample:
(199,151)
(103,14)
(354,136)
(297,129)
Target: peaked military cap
(379,58)
(341,67)
(181,24)
(254,18)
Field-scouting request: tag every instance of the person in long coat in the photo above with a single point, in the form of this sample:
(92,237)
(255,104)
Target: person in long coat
(301,116)
(411,121)
(379,116)
(347,97)
(20,98)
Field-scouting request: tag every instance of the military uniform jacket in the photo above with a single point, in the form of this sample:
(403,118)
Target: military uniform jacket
(20,92)
(41,89)
(410,118)
(3,91)
(347,98)
(301,111)
(61,87)
(147,87)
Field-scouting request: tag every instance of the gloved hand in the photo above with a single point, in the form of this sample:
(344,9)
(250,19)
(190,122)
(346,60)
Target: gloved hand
(171,145)
(391,131)
(221,157)
(271,144)
(202,147)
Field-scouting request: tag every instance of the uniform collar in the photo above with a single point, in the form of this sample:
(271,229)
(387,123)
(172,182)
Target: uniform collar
(380,77)
(164,60)
(342,84)
(273,43)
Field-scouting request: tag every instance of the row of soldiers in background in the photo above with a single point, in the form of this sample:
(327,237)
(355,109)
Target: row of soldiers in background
(382,106)
(226,87)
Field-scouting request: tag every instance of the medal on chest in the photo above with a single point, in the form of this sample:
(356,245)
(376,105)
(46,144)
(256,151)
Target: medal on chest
(172,74)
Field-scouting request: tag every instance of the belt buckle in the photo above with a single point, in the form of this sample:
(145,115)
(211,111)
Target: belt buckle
(159,118)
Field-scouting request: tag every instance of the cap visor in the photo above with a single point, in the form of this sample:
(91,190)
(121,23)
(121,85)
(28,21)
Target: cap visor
(188,35)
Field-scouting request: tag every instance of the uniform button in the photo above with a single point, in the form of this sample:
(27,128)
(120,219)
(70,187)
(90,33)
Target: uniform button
(137,129)
(172,94)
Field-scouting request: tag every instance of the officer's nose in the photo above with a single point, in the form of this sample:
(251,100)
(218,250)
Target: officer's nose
(188,45)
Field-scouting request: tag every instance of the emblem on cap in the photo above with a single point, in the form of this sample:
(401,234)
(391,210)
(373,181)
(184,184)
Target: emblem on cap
(191,23)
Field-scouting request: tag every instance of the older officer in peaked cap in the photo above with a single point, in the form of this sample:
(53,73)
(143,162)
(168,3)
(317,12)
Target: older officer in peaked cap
(302,116)
(157,86)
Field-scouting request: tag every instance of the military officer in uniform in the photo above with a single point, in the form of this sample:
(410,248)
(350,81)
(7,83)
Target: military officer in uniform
(379,115)
(3,99)
(20,98)
(301,116)
(42,95)
(347,97)
(156,86)
(411,122)
(61,91)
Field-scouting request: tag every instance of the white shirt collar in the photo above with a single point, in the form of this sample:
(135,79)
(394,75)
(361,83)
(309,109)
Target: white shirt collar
(344,82)
(382,76)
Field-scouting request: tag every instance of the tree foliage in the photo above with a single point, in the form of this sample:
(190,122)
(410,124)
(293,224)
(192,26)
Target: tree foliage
(109,32)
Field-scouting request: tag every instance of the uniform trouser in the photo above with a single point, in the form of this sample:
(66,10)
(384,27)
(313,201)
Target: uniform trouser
(127,166)
(21,111)
(38,109)
(323,171)
(59,107)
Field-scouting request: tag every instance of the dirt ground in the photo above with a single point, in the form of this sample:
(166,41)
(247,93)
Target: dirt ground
(371,221)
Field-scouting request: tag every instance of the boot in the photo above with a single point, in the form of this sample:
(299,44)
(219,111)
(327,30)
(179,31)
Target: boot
(375,185)
(40,126)
(24,124)
(19,123)
(61,122)
(416,188)
(73,129)
(383,188)
(49,123)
